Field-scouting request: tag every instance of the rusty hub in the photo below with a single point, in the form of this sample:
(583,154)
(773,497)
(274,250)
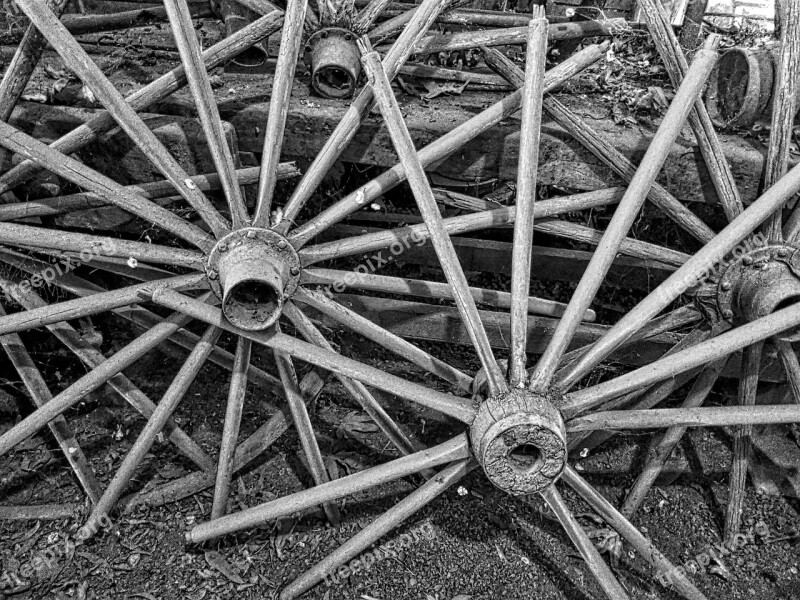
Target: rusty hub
(253,271)
(520,440)
(759,282)
(335,62)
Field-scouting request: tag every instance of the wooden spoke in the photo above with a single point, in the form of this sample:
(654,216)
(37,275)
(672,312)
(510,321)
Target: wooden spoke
(356,389)
(392,26)
(381,526)
(673,321)
(625,214)
(186,39)
(590,555)
(728,416)
(527,172)
(82,307)
(628,246)
(401,139)
(600,146)
(43,512)
(426,289)
(76,58)
(453,226)
(162,190)
(91,381)
(93,358)
(438,150)
(230,431)
(253,447)
(641,399)
(458,408)
(15,234)
(694,271)
(663,34)
(351,121)
(703,353)
(742,449)
(503,36)
(575,231)
(448,452)
(633,536)
(150,94)
(662,445)
(291,40)
(19,70)
(81,175)
(784,109)
(354,321)
(62,432)
(305,430)
(791,365)
(169,402)
(368,15)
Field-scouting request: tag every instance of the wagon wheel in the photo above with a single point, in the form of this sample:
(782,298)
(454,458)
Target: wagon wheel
(261,271)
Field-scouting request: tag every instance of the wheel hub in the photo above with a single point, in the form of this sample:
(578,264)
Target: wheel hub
(253,271)
(759,282)
(335,62)
(520,440)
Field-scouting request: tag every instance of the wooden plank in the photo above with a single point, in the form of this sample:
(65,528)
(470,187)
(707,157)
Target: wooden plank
(436,323)
(431,322)
(493,155)
(553,264)
(116,156)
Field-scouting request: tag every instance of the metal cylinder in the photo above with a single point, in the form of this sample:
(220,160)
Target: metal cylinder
(235,17)
(741,86)
(253,270)
(765,289)
(252,286)
(335,62)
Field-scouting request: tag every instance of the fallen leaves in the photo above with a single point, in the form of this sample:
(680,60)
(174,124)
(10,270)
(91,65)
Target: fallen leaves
(356,424)
(216,561)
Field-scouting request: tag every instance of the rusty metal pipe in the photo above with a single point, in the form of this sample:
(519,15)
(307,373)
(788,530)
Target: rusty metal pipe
(252,287)
(236,17)
(335,62)
(253,271)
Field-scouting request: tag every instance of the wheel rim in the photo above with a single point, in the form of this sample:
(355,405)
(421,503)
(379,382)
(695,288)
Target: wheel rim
(542,414)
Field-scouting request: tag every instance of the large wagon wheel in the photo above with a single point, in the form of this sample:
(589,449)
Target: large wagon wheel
(255,276)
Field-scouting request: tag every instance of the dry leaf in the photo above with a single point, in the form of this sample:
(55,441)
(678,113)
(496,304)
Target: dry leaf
(406,87)
(217,562)
(436,89)
(356,424)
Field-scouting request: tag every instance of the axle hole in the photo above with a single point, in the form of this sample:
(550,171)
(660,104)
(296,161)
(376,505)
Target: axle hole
(334,82)
(252,57)
(526,458)
(252,304)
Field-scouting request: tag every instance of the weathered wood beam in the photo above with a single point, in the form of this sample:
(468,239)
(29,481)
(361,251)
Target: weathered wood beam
(493,155)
